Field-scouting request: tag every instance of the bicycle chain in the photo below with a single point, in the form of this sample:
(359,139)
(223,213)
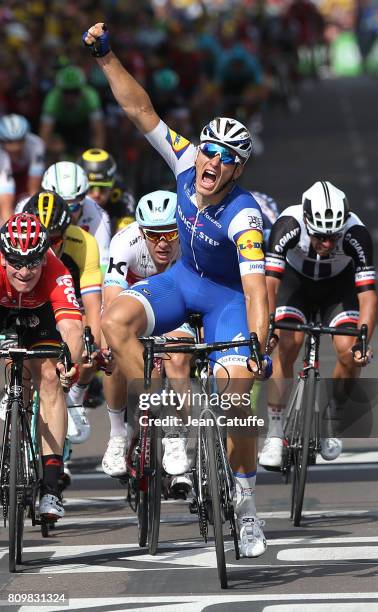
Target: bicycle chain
(202,519)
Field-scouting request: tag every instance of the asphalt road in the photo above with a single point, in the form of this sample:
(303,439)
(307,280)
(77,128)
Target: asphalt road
(330,563)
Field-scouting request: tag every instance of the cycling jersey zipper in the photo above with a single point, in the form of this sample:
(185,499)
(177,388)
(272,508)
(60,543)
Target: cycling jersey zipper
(192,239)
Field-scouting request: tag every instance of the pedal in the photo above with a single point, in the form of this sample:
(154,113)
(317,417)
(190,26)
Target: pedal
(180,491)
(193,507)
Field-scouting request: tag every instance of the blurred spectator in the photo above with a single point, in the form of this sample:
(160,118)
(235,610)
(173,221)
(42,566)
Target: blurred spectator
(72,118)
(26,153)
(7,187)
(366,26)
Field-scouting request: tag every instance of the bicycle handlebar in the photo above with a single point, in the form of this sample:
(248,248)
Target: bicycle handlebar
(318,329)
(88,342)
(154,345)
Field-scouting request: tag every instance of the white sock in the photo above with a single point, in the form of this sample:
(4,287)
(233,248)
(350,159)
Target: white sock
(275,423)
(76,395)
(117,422)
(245,493)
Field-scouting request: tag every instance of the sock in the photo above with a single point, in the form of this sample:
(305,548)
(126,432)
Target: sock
(275,421)
(245,493)
(118,427)
(76,394)
(52,469)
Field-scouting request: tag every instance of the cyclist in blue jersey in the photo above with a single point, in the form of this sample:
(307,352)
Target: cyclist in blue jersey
(221,273)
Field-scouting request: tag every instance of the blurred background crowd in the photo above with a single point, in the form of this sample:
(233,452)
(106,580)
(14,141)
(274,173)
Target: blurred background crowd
(197,58)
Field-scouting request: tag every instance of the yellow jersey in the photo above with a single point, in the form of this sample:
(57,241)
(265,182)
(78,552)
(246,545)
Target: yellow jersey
(81,256)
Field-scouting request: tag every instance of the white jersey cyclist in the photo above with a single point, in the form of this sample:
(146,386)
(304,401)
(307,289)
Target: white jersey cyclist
(70,181)
(129,258)
(290,242)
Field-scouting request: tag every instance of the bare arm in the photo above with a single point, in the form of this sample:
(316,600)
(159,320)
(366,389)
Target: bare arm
(92,308)
(72,333)
(256,298)
(129,94)
(368,310)
(273,285)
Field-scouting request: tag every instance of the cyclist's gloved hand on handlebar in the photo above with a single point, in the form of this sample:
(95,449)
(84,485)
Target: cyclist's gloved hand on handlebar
(97,40)
(67,379)
(266,367)
(357,355)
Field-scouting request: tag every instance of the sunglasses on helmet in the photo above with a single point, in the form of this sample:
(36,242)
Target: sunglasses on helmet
(17,264)
(211,149)
(156,236)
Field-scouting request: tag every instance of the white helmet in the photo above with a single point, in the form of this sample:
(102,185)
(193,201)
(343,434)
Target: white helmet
(156,209)
(230,133)
(69,180)
(325,208)
(13,127)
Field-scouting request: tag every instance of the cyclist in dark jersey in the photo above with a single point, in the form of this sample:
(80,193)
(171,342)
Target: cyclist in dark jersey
(320,258)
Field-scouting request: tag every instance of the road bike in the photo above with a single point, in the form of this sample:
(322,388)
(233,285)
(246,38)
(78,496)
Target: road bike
(20,471)
(213,479)
(302,422)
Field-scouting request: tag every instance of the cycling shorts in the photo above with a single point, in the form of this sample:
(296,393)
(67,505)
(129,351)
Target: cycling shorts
(41,330)
(333,299)
(170,297)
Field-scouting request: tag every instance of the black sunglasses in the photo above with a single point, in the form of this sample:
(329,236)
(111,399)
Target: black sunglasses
(18,265)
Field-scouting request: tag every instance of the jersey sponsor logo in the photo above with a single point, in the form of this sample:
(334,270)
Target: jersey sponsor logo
(178,143)
(289,312)
(249,245)
(135,240)
(285,239)
(192,227)
(216,223)
(255,222)
(69,290)
(357,247)
(116,266)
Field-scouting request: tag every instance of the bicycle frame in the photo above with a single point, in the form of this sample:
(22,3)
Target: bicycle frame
(302,424)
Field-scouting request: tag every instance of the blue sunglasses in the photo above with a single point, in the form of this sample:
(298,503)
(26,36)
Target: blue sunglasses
(210,149)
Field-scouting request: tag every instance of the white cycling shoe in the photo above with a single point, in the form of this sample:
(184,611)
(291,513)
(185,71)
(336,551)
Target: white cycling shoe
(79,428)
(114,460)
(271,454)
(51,506)
(252,542)
(175,460)
(330,448)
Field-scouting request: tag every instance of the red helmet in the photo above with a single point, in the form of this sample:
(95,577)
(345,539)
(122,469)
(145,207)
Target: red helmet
(23,239)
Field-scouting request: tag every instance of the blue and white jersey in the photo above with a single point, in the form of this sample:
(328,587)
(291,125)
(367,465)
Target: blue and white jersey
(221,242)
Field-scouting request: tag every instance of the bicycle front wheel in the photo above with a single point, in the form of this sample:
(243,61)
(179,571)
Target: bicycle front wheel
(302,454)
(15,513)
(215,502)
(154,489)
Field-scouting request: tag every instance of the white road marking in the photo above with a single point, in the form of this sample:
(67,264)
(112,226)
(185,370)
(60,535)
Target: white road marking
(197,603)
(337,553)
(325,607)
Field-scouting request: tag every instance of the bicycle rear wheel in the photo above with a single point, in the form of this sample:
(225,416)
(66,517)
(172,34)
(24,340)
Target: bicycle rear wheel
(302,454)
(154,488)
(14,516)
(215,502)
(142,518)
